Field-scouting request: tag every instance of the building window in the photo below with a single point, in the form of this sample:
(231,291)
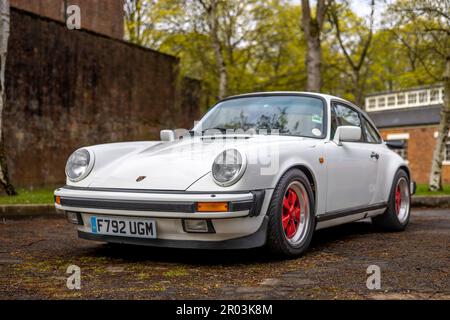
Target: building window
(372,103)
(412,98)
(381,102)
(391,101)
(403,152)
(401,138)
(434,95)
(401,98)
(423,95)
(446,159)
(447,152)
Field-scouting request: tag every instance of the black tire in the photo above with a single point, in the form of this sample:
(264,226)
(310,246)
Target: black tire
(389,220)
(277,241)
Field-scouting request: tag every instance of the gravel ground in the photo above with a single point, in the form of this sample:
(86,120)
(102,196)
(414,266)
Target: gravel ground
(415,264)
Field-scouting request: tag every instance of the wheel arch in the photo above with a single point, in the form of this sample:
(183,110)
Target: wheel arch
(311,178)
(391,176)
(406,169)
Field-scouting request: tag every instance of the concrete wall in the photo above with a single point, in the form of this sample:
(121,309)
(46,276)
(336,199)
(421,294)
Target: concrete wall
(421,145)
(103,16)
(67,89)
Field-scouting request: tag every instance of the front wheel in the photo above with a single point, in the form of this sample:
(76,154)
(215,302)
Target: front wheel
(291,215)
(398,211)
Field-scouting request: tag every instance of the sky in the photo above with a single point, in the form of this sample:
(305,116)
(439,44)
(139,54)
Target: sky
(362,8)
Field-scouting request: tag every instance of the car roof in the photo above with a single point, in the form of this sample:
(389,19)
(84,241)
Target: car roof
(327,97)
(268,93)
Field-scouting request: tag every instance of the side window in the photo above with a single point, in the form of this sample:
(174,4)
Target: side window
(346,116)
(370,132)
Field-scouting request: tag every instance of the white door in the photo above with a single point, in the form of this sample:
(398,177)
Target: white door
(352,167)
(352,176)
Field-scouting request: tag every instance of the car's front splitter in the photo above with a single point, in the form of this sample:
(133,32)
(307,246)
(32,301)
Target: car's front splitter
(255,240)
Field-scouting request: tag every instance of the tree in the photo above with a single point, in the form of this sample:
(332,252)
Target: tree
(312,28)
(277,57)
(134,21)
(141,19)
(4,36)
(430,21)
(354,41)
(211,10)
(213,38)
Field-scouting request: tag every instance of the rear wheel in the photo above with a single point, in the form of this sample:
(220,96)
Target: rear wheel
(397,214)
(291,215)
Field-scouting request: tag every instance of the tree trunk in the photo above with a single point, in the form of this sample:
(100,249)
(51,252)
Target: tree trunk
(438,155)
(4,35)
(314,61)
(221,67)
(220,61)
(360,81)
(312,27)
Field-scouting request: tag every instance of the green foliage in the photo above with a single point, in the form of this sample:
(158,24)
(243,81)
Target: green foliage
(264,47)
(423,190)
(37,196)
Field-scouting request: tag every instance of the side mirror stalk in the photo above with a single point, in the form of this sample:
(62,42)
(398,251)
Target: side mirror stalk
(336,138)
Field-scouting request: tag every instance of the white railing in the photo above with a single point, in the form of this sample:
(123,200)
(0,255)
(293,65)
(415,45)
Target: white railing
(405,99)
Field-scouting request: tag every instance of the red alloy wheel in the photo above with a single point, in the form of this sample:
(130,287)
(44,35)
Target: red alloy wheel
(291,213)
(398,199)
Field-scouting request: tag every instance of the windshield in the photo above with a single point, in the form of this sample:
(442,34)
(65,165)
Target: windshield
(286,115)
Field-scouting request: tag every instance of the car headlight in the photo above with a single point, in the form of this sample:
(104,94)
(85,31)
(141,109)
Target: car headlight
(228,167)
(79,165)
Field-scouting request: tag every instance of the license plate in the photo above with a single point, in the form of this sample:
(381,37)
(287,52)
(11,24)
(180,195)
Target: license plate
(126,227)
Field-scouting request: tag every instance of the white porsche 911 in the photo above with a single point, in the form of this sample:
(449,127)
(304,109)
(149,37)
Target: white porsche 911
(262,169)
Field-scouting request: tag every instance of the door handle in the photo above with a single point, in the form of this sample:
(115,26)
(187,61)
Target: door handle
(374,155)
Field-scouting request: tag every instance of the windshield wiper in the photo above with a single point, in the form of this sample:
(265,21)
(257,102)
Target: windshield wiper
(222,130)
(194,132)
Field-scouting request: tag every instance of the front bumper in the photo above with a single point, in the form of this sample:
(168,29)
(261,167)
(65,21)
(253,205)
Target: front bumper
(254,240)
(241,227)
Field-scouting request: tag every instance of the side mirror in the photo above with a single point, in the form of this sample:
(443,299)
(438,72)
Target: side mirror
(347,133)
(167,135)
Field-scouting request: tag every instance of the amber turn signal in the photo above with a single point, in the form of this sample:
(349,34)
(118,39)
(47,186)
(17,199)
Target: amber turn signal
(58,200)
(212,206)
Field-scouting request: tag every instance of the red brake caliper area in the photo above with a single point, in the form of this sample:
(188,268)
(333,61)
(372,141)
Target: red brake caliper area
(398,199)
(291,213)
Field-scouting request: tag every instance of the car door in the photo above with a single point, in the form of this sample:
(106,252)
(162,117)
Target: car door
(373,139)
(351,167)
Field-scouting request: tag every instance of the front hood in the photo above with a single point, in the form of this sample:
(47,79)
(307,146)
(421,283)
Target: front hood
(171,166)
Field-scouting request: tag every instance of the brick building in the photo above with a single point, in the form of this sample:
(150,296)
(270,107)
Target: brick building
(102,16)
(412,116)
(71,88)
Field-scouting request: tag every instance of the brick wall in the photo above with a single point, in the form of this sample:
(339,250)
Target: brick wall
(67,89)
(103,16)
(421,145)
